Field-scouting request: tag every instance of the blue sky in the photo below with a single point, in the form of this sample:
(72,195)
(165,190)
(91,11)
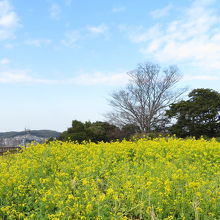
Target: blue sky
(61,59)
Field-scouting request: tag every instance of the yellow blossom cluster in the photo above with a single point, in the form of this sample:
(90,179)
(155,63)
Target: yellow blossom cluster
(145,179)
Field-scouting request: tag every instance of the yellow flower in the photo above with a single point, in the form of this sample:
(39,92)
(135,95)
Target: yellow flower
(110,191)
(84,181)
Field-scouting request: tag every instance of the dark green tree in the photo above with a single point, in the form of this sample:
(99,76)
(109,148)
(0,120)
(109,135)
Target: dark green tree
(75,133)
(91,131)
(102,131)
(199,115)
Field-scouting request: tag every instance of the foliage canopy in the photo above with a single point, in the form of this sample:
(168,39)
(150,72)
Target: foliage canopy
(199,115)
(96,131)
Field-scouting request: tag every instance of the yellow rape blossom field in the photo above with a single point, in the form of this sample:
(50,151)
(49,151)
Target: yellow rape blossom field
(144,179)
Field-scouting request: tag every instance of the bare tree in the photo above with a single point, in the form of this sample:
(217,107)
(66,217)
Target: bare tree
(148,94)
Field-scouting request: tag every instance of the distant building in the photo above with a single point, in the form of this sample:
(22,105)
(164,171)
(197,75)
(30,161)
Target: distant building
(22,140)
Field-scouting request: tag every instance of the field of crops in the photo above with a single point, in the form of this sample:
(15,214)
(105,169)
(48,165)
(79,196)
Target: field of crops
(146,179)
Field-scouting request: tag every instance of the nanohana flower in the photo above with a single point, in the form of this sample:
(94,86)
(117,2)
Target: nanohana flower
(142,179)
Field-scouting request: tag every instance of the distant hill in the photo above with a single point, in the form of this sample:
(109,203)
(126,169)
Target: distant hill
(38,133)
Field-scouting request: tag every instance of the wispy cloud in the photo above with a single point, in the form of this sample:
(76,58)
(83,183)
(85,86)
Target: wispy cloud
(68,2)
(9,20)
(16,76)
(4,61)
(99,29)
(38,42)
(192,39)
(140,35)
(201,77)
(98,78)
(71,38)
(159,13)
(55,11)
(9,46)
(118,9)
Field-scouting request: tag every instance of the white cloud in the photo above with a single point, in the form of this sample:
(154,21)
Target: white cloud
(71,38)
(140,35)
(201,77)
(192,39)
(99,29)
(119,9)
(14,76)
(92,79)
(4,61)
(9,20)
(68,2)
(55,11)
(9,46)
(38,42)
(100,78)
(159,13)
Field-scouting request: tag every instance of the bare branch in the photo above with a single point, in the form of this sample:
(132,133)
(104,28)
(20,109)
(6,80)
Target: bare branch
(149,92)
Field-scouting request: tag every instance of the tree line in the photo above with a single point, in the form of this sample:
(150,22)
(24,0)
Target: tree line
(97,131)
(151,103)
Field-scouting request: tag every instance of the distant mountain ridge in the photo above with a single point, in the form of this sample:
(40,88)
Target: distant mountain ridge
(38,133)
